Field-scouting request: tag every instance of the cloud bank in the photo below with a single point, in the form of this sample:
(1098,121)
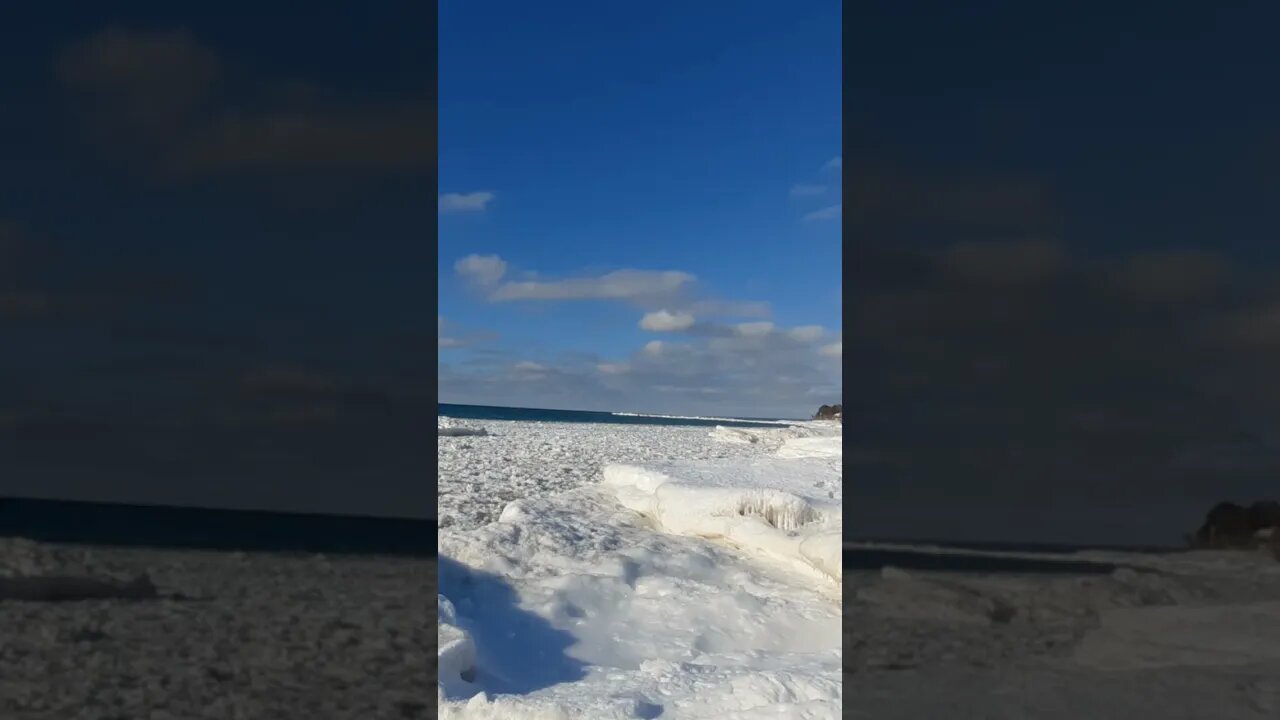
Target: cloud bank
(754,367)
(464,202)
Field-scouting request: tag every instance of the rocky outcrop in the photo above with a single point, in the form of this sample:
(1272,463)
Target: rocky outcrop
(1265,514)
(829,412)
(1229,525)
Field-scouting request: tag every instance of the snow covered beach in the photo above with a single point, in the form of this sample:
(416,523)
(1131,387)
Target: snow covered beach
(1113,635)
(227,635)
(639,571)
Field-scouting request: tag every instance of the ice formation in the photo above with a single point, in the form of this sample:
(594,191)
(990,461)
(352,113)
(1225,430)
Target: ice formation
(680,588)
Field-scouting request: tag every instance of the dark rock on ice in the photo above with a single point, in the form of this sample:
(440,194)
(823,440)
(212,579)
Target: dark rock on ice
(1229,525)
(1265,514)
(828,412)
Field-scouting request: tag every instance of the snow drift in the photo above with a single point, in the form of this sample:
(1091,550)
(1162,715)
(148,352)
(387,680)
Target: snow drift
(812,447)
(576,608)
(688,500)
(456,651)
(734,435)
(690,589)
(460,432)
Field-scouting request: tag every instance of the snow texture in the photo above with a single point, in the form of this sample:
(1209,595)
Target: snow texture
(478,476)
(789,509)
(1181,635)
(456,651)
(449,427)
(579,606)
(739,436)
(228,635)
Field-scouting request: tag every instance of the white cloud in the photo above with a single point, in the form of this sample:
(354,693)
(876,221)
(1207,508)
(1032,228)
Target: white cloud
(826,213)
(802,190)
(482,270)
(753,329)
(730,308)
(671,290)
(617,285)
(463,202)
(729,358)
(663,321)
(835,349)
(806,333)
(835,163)
(774,374)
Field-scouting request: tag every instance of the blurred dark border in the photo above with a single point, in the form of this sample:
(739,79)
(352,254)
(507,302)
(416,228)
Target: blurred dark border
(169,527)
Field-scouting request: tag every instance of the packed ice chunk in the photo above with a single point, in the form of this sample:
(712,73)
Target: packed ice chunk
(452,427)
(456,651)
(736,436)
(768,506)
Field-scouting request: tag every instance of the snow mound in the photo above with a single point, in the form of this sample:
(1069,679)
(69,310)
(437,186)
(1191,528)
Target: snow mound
(813,428)
(21,557)
(764,506)
(828,446)
(456,651)
(578,609)
(1161,637)
(573,605)
(480,708)
(461,432)
(734,435)
(449,427)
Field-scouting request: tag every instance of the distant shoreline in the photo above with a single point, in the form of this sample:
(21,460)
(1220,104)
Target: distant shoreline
(991,546)
(989,557)
(498,413)
(173,527)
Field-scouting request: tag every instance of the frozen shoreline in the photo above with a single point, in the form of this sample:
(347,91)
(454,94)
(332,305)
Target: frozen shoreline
(259,635)
(1188,635)
(480,474)
(716,625)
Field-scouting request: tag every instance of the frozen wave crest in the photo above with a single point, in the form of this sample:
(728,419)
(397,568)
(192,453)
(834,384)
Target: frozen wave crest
(449,427)
(780,510)
(734,435)
(699,500)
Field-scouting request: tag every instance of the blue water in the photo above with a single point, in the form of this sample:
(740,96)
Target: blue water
(166,526)
(487,412)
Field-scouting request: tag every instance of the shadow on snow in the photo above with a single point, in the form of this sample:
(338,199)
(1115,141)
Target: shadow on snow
(517,652)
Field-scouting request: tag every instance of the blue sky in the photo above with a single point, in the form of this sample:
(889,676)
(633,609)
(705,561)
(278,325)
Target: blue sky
(587,148)
(212,255)
(1066,294)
